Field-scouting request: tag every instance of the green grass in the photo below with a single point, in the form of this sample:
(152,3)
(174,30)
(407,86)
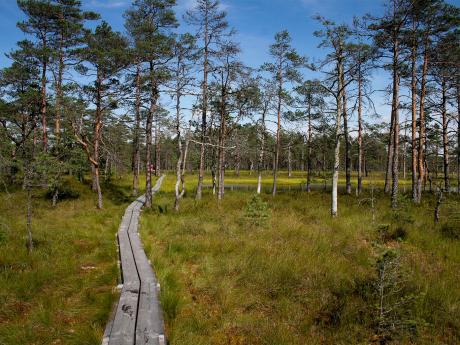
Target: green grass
(299,278)
(303,278)
(63,292)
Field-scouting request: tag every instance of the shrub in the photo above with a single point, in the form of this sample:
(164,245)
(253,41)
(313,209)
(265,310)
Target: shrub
(451,230)
(388,232)
(64,192)
(394,298)
(163,208)
(256,211)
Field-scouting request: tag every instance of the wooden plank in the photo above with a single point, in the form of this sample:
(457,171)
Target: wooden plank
(124,323)
(150,325)
(138,317)
(128,265)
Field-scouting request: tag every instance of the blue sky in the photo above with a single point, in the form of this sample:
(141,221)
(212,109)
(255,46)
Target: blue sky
(256,22)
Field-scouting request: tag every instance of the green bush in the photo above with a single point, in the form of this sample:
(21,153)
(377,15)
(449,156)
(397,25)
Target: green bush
(256,211)
(64,193)
(450,230)
(388,233)
(395,298)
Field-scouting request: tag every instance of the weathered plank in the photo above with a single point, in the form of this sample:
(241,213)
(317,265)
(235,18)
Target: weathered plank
(124,323)
(150,325)
(138,317)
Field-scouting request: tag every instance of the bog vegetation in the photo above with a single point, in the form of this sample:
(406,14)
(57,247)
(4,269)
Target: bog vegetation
(293,211)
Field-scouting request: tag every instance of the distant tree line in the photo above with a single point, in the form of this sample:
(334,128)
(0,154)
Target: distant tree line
(94,101)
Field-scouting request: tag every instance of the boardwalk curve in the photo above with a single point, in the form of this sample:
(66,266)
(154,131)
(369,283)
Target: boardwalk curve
(137,319)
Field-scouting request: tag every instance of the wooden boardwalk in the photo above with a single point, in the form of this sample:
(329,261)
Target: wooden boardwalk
(137,319)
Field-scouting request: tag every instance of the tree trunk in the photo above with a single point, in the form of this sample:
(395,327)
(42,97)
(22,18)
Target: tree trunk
(43,99)
(98,188)
(278,132)
(395,115)
(204,112)
(261,153)
(148,144)
(335,172)
(180,153)
(97,138)
(445,140)
(438,205)
(238,155)
(421,145)
(289,161)
(458,135)
(360,136)
(59,93)
(221,149)
(93,179)
(404,163)
(346,139)
(414,117)
(136,139)
(389,168)
(157,145)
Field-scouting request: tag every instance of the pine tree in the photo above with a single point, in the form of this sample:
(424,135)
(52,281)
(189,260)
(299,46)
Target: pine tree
(149,23)
(211,25)
(335,38)
(105,55)
(284,69)
(41,23)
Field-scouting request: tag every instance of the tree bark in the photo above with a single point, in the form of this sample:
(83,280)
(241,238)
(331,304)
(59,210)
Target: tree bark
(278,131)
(395,116)
(148,144)
(97,138)
(157,145)
(458,135)
(346,139)
(289,161)
(43,98)
(221,149)
(180,166)
(335,172)
(204,112)
(262,152)
(445,140)
(136,139)
(238,155)
(421,137)
(389,168)
(360,136)
(414,116)
(59,93)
